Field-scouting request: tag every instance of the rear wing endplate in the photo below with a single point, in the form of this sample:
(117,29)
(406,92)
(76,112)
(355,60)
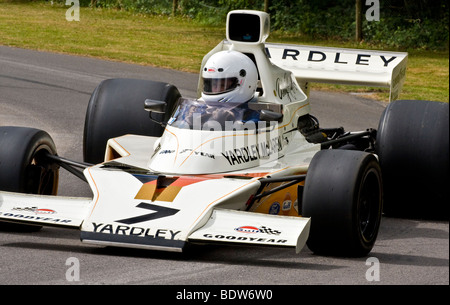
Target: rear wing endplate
(341,65)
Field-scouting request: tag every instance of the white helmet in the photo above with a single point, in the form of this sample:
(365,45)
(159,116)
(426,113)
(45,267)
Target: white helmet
(229,76)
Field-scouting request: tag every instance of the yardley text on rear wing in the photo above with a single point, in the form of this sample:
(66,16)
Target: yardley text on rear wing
(341,65)
(315,64)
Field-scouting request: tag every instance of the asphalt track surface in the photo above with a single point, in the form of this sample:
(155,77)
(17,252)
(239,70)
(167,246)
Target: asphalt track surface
(51,92)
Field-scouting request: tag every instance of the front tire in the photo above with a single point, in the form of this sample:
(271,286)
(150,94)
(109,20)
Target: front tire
(343,196)
(24,167)
(116,108)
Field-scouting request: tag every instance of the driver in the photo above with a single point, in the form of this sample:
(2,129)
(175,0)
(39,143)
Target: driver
(230,77)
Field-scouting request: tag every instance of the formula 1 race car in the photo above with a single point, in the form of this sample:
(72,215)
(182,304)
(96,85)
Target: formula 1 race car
(168,171)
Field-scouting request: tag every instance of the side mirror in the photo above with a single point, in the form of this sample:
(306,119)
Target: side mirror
(155,106)
(158,107)
(269,116)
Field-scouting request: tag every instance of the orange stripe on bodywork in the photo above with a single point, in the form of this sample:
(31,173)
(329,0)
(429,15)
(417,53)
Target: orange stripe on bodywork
(178,144)
(170,188)
(292,116)
(207,141)
(96,190)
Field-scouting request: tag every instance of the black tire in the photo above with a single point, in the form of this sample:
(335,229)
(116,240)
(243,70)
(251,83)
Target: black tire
(343,196)
(116,108)
(413,149)
(23,166)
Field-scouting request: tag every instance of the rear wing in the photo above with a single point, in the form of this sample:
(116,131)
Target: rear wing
(248,30)
(341,66)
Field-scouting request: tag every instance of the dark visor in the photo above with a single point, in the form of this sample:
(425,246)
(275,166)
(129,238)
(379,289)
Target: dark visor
(219,85)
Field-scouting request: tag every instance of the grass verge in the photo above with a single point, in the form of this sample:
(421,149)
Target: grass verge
(177,43)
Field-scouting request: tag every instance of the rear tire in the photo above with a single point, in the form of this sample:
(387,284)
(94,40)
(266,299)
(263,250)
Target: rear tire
(413,149)
(116,108)
(343,196)
(24,167)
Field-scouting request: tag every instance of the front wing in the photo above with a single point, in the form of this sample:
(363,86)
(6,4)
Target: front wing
(217,226)
(228,226)
(68,212)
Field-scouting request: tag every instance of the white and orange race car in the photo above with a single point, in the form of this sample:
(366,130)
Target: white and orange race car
(165,175)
